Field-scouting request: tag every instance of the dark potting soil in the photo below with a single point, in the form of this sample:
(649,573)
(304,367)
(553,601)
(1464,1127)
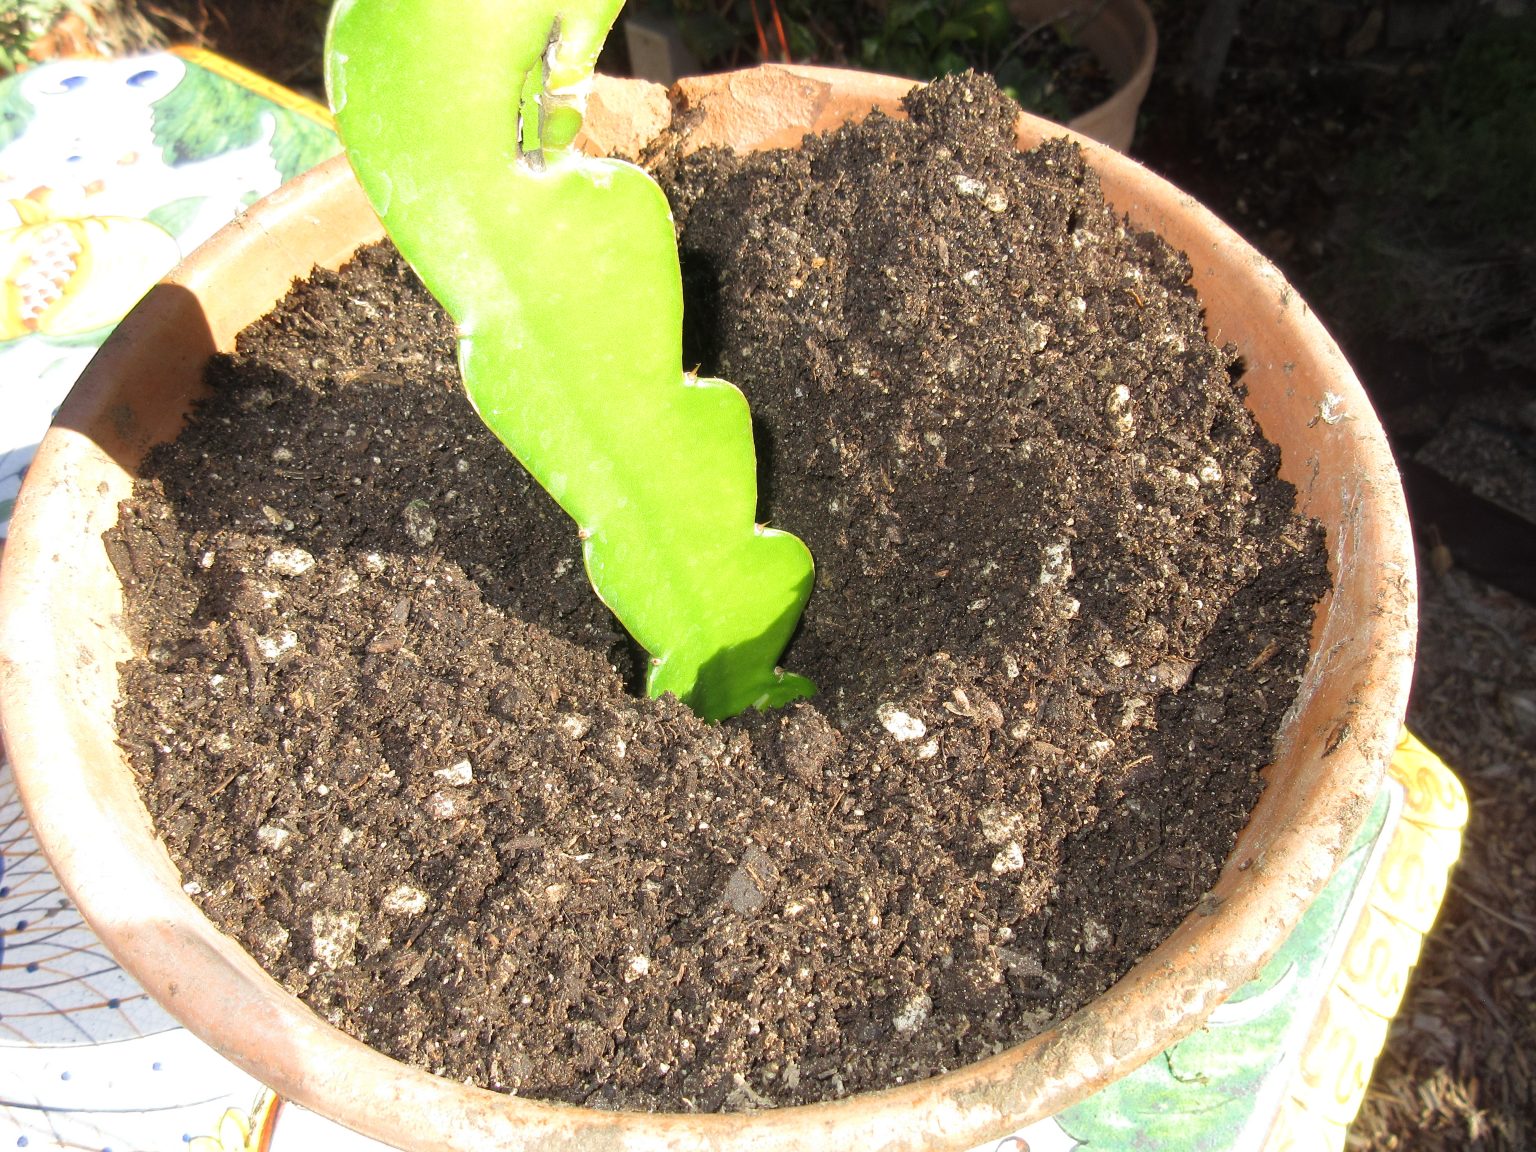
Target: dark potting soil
(1062,601)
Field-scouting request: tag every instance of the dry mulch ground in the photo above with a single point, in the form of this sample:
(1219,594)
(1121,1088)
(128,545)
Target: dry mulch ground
(1458,1067)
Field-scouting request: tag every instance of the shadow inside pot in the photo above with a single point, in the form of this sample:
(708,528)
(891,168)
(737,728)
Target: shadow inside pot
(117,404)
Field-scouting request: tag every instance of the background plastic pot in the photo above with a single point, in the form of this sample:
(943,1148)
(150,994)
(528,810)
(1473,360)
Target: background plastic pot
(60,643)
(1122,36)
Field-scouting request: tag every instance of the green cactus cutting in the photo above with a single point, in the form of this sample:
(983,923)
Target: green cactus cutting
(561,272)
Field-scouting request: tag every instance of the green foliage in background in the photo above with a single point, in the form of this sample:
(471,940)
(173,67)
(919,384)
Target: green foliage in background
(929,38)
(1441,243)
(206,116)
(24,22)
(923,39)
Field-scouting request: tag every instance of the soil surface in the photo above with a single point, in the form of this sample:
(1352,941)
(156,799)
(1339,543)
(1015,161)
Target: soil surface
(1062,601)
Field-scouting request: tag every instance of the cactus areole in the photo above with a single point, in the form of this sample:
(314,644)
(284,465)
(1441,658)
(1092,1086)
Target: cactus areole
(561,272)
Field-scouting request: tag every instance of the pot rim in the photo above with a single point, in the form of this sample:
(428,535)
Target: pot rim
(1163,998)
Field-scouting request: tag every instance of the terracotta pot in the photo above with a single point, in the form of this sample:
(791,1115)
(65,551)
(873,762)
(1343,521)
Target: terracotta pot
(60,643)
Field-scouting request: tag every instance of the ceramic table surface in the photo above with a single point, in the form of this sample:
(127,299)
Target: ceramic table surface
(110,171)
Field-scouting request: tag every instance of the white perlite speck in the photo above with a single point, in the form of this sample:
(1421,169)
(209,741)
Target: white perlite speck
(1000,825)
(1056,564)
(420,524)
(289,561)
(1118,408)
(1095,935)
(456,775)
(404,900)
(914,1013)
(441,806)
(271,837)
(332,936)
(273,648)
(638,966)
(969,185)
(1010,859)
(900,724)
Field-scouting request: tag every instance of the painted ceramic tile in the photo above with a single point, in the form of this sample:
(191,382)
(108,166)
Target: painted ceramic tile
(1220,1089)
(111,171)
